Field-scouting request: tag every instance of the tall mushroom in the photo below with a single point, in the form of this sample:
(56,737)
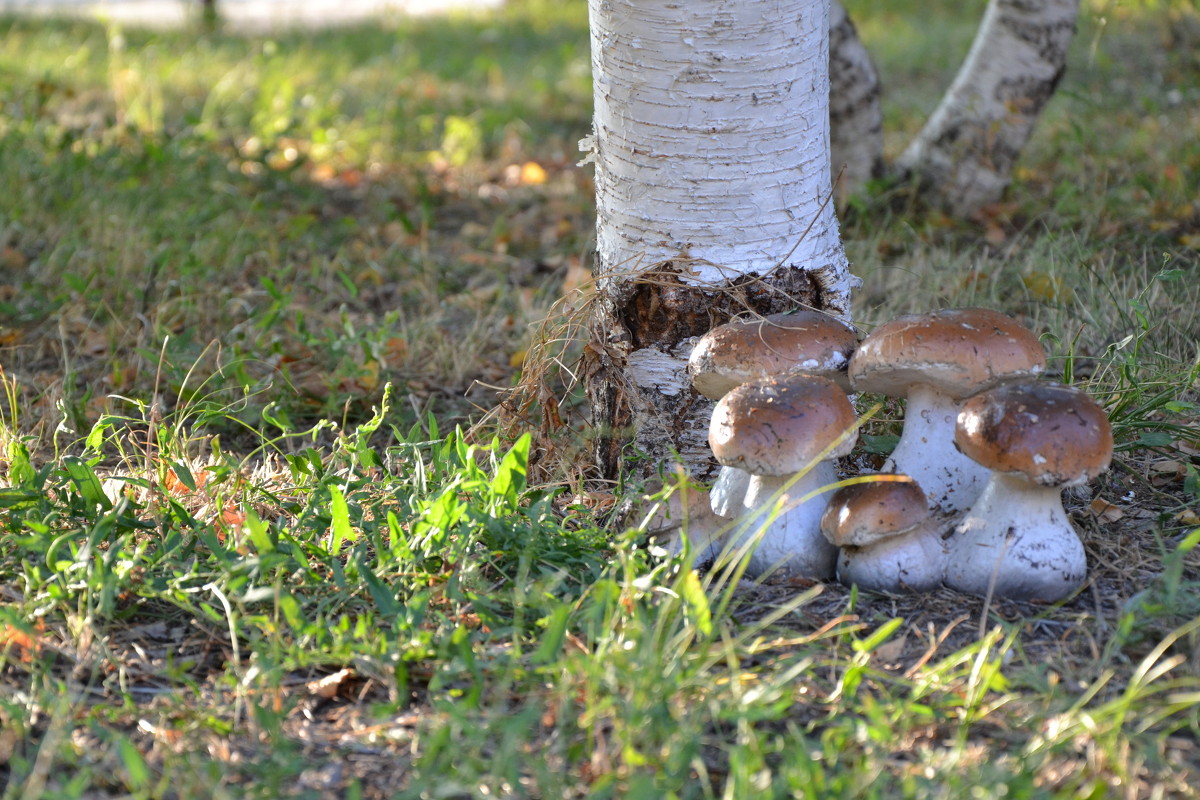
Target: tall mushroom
(1036,438)
(753,349)
(888,539)
(774,429)
(935,360)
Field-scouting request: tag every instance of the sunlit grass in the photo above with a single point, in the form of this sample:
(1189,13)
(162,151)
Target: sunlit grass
(233,562)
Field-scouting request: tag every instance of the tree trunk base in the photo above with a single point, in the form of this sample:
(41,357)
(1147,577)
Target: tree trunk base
(643,407)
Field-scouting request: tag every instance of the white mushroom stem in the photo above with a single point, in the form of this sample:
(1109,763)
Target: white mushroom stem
(728,492)
(792,543)
(912,561)
(686,515)
(1016,541)
(926,451)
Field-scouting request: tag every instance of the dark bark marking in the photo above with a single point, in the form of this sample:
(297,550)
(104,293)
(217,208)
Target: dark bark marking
(659,309)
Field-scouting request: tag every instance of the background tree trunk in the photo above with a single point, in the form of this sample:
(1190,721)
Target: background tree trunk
(965,154)
(855,115)
(208,12)
(711,145)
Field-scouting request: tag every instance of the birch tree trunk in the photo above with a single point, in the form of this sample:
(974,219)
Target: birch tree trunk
(965,154)
(711,146)
(855,114)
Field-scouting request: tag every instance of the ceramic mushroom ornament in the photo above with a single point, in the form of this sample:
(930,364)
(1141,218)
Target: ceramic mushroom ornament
(773,429)
(1036,439)
(754,349)
(887,538)
(935,360)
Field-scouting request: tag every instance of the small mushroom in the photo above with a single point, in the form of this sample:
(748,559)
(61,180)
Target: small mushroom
(773,429)
(935,360)
(889,540)
(1036,438)
(745,350)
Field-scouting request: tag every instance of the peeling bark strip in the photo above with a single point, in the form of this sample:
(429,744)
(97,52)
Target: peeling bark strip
(965,154)
(855,115)
(711,145)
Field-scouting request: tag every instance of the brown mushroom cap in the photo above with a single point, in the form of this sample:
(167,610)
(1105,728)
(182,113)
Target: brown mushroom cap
(748,350)
(865,513)
(779,426)
(959,351)
(1052,434)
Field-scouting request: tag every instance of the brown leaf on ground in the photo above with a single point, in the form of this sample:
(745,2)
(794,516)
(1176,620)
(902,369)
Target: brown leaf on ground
(174,486)
(14,259)
(331,686)
(26,646)
(1105,511)
(1167,471)
(1187,517)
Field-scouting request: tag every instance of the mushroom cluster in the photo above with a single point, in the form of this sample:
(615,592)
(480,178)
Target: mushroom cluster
(781,389)
(969,498)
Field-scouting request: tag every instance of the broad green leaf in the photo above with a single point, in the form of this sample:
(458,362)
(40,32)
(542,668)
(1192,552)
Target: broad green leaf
(95,437)
(693,594)
(20,468)
(86,481)
(260,536)
(135,766)
(340,512)
(15,498)
(383,596)
(1155,439)
(184,475)
(553,635)
(1191,484)
(510,474)
(292,612)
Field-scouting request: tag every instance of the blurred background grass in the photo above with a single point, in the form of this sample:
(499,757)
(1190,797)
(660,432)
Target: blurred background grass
(304,216)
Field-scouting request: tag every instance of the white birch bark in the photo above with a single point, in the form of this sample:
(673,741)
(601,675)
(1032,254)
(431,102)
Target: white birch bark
(965,154)
(711,146)
(855,114)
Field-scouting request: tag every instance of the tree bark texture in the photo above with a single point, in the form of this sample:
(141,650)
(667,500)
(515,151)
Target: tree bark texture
(711,146)
(855,114)
(965,154)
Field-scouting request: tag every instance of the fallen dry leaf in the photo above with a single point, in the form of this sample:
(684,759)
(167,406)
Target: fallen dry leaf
(1187,517)
(597,501)
(1105,511)
(26,646)
(13,259)
(331,685)
(178,488)
(890,651)
(1047,288)
(1167,470)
